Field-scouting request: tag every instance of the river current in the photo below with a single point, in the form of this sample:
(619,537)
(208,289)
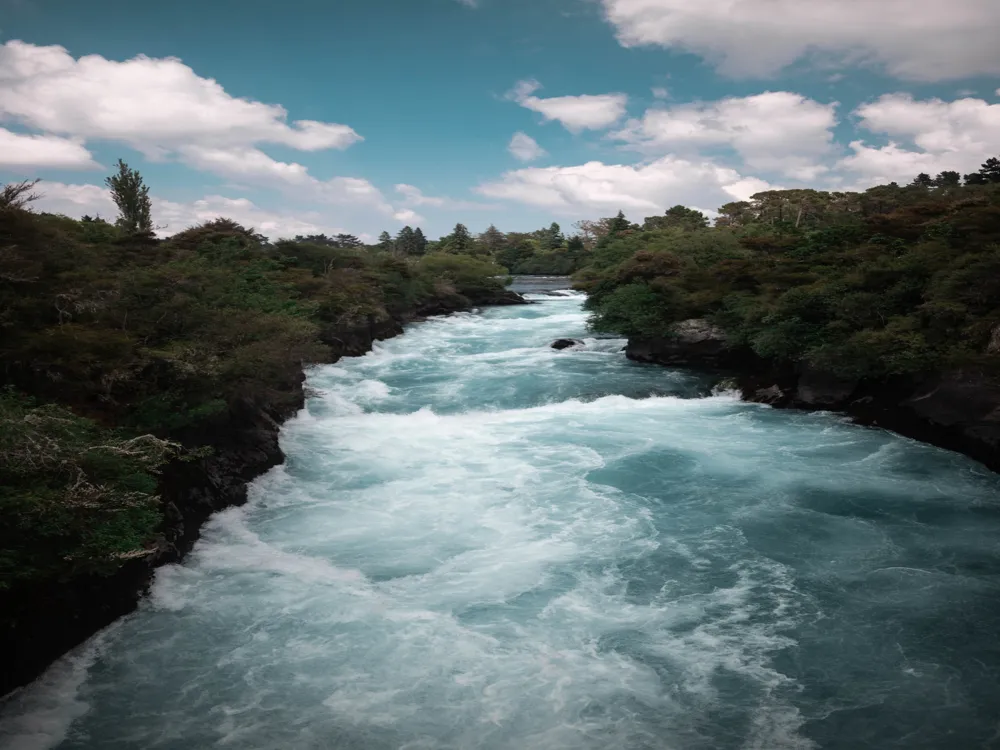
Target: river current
(480,542)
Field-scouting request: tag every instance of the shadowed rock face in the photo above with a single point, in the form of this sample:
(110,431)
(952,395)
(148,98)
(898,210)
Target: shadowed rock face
(957,410)
(694,343)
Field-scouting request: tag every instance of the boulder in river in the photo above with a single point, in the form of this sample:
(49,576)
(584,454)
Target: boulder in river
(561,344)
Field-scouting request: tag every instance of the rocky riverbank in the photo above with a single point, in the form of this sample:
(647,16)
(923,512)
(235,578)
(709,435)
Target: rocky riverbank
(958,410)
(52,619)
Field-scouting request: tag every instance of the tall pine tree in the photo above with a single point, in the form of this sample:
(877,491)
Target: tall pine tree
(405,241)
(419,242)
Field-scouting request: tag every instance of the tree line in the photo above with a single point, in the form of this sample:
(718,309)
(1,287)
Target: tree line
(895,281)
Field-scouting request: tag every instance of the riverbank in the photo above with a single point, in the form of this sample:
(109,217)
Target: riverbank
(479,541)
(50,619)
(957,410)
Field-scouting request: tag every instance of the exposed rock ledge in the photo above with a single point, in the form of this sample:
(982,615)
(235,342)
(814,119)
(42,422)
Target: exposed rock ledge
(957,410)
(51,620)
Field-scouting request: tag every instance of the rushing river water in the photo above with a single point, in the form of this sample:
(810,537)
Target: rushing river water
(479,542)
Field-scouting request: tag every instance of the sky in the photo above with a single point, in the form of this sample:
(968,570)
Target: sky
(363,116)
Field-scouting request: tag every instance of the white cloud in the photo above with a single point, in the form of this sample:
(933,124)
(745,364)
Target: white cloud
(525,148)
(414,196)
(20,150)
(162,108)
(172,216)
(151,104)
(925,136)
(775,132)
(915,39)
(407,216)
(576,113)
(660,92)
(598,189)
(244,163)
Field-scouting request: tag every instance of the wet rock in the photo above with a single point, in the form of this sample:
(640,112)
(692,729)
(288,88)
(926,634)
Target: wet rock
(561,344)
(772,395)
(695,343)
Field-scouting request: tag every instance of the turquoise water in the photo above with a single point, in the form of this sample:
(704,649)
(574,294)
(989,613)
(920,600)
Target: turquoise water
(479,542)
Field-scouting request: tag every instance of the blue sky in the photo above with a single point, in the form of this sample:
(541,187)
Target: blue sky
(631,104)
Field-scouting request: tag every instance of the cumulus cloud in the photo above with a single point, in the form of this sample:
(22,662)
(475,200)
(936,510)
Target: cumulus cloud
(916,39)
(162,108)
(659,92)
(925,136)
(151,104)
(599,189)
(171,216)
(20,150)
(774,132)
(408,216)
(525,148)
(576,113)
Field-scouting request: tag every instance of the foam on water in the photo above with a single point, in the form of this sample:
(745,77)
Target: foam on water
(481,542)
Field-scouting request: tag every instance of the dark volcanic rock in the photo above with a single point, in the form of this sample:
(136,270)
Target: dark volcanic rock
(821,389)
(691,343)
(505,297)
(561,344)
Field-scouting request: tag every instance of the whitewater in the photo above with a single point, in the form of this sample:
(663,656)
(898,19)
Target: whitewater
(480,542)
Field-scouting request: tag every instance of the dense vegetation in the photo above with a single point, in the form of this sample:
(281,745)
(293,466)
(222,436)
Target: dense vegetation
(543,252)
(893,281)
(118,350)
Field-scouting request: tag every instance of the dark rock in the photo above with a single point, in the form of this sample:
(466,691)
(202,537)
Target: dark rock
(561,344)
(503,297)
(823,390)
(773,395)
(692,343)
(994,346)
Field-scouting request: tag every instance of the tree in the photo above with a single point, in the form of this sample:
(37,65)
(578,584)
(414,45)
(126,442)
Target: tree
(685,218)
(460,241)
(386,243)
(405,241)
(419,242)
(975,178)
(131,195)
(948,179)
(18,194)
(923,180)
(991,170)
(493,240)
(619,224)
(553,238)
(591,232)
(679,217)
(575,248)
(347,240)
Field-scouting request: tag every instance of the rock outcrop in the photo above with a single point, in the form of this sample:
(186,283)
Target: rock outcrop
(958,410)
(691,343)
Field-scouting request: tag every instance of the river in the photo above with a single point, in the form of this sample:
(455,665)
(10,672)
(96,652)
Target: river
(480,542)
